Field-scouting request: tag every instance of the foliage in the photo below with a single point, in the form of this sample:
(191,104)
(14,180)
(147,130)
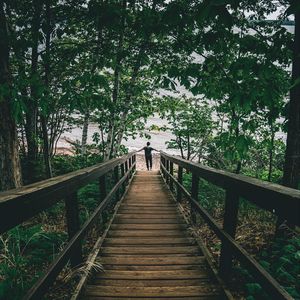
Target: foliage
(24,253)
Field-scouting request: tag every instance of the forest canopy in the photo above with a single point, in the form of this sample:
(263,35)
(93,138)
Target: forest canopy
(78,61)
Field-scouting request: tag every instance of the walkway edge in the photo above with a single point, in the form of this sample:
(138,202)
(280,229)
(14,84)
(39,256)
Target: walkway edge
(96,249)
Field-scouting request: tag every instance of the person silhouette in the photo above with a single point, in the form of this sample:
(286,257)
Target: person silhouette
(148,155)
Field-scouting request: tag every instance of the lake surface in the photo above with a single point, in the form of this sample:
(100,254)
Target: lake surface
(157,139)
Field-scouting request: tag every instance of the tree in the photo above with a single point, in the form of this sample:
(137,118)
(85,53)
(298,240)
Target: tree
(291,175)
(9,149)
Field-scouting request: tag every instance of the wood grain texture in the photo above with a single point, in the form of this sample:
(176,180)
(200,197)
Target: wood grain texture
(148,253)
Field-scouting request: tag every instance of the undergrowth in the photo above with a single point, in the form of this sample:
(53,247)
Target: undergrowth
(280,256)
(27,250)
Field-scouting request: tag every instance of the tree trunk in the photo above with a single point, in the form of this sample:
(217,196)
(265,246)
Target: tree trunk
(9,151)
(115,93)
(32,105)
(291,176)
(44,119)
(271,150)
(85,132)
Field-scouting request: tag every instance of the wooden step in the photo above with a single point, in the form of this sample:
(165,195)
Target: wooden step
(146,233)
(159,275)
(206,290)
(156,268)
(188,250)
(151,260)
(149,226)
(148,252)
(161,221)
(151,283)
(148,241)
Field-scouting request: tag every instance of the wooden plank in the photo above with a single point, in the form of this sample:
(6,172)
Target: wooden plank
(157,268)
(152,251)
(170,274)
(152,291)
(202,297)
(151,283)
(148,221)
(151,260)
(148,226)
(147,241)
(146,233)
(131,216)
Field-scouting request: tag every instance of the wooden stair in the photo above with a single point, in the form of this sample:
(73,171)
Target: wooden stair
(148,252)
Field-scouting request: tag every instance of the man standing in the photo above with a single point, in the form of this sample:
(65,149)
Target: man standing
(148,155)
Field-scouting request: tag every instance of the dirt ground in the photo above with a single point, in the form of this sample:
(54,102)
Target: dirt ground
(141,163)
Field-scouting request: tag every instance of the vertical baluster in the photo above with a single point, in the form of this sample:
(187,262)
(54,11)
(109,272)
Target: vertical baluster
(126,170)
(116,179)
(122,175)
(134,161)
(103,194)
(73,225)
(194,194)
(179,193)
(130,164)
(172,173)
(229,225)
(168,170)
(102,187)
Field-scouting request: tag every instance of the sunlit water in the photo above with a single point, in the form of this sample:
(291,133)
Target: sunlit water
(158,138)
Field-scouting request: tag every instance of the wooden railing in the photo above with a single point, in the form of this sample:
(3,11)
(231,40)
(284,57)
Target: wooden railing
(18,205)
(280,200)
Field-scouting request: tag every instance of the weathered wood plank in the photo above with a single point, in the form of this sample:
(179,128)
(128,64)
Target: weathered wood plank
(180,291)
(151,260)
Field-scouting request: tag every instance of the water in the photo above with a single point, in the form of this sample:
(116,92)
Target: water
(157,139)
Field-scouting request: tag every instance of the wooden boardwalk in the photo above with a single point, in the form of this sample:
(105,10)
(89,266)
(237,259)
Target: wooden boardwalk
(148,252)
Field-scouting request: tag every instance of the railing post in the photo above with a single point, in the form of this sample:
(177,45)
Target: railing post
(179,178)
(122,175)
(134,161)
(116,179)
(73,225)
(172,173)
(102,187)
(168,169)
(194,194)
(229,225)
(130,164)
(126,170)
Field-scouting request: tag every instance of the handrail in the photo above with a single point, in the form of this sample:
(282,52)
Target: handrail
(19,205)
(229,182)
(281,200)
(42,195)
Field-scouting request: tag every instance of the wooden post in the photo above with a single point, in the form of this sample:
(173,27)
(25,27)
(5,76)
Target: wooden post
(122,175)
(229,225)
(172,173)
(162,159)
(194,194)
(116,177)
(179,178)
(134,161)
(168,169)
(126,170)
(73,225)
(102,188)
